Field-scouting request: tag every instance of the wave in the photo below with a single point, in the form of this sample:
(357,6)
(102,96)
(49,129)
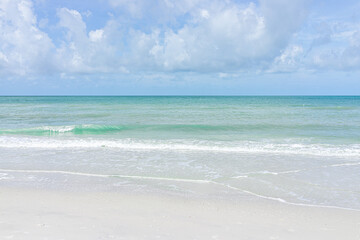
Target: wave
(350,150)
(93,129)
(72,129)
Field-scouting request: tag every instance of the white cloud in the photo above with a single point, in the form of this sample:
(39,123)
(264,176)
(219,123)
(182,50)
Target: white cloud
(83,52)
(290,60)
(24,48)
(198,36)
(96,35)
(204,13)
(71,55)
(224,36)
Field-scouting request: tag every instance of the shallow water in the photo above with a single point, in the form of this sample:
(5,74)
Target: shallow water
(303,150)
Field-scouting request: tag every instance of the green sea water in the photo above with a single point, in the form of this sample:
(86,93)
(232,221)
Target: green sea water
(301,149)
(316,119)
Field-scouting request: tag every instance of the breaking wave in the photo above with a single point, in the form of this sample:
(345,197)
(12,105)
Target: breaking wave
(350,150)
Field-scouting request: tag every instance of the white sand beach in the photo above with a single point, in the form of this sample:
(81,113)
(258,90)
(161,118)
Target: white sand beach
(179,120)
(252,168)
(47,214)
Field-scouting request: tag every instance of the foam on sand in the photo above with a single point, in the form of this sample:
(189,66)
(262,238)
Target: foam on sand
(195,181)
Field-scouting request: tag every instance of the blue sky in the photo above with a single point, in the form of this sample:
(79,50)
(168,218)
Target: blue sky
(164,47)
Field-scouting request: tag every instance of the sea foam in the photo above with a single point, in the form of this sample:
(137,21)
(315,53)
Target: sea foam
(352,150)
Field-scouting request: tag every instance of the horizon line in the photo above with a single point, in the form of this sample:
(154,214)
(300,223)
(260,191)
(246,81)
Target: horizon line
(184,95)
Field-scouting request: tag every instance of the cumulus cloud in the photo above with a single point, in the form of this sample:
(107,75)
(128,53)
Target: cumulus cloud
(97,35)
(161,36)
(23,47)
(72,54)
(222,36)
(290,60)
(82,51)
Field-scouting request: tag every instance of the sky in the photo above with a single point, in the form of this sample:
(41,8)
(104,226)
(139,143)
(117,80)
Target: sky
(179,47)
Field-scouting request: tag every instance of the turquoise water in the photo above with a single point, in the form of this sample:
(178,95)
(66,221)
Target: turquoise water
(299,149)
(316,119)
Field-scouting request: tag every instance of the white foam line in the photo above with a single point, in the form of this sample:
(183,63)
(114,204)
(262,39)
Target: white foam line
(284,201)
(162,178)
(178,180)
(292,171)
(55,171)
(245,175)
(241,176)
(107,175)
(344,164)
(12,142)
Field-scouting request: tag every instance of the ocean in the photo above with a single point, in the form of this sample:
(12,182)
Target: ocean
(301,150)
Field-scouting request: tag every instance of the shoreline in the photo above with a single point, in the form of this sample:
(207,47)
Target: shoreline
(242,193)
(48,214)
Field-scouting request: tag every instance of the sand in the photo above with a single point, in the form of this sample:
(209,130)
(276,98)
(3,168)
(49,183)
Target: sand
(47,214)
